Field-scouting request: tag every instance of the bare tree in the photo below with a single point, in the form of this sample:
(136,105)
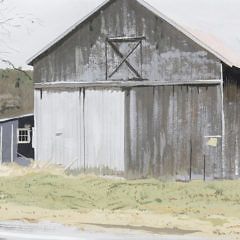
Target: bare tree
(10,20)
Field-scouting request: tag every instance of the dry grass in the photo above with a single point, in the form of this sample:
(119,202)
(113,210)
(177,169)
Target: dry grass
(40,193)
(49,187)
(14,170)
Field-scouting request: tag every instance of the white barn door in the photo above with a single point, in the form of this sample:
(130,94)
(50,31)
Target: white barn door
(58,128)
(104,130)
(82,129)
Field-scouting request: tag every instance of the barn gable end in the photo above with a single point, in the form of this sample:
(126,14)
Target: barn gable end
(164,54)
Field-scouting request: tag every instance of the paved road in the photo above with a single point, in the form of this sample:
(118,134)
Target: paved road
(49,231)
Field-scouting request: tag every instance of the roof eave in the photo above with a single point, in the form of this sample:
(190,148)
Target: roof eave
(33,59)
(185,32)
(38,55)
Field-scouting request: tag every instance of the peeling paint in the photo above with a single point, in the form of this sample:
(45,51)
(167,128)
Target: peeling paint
(166,131)
(168,55)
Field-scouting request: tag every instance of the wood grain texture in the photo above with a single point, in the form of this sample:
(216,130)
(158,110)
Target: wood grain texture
(167,54)
(232,121)
(166,129)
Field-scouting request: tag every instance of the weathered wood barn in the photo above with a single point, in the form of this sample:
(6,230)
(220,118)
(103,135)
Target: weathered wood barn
(16,139)
(128,91)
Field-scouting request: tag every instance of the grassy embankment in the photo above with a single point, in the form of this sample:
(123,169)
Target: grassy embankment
(62,192)
(210,208)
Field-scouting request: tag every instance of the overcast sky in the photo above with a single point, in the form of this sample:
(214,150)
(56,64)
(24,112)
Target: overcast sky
(44,20)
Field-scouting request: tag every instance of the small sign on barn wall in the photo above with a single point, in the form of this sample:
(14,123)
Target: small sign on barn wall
(212,140)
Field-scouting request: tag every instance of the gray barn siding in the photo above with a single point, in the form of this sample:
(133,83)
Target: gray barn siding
(232,121)
(162,130)
(167,53)
(166,129)
(7,134)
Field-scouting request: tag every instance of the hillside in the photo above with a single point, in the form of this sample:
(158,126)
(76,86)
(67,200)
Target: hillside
(16,93)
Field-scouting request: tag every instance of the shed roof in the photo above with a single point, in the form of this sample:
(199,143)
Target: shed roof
(205,40)
(16,117)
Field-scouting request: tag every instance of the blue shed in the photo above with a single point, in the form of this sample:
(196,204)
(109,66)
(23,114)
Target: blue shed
(16,139)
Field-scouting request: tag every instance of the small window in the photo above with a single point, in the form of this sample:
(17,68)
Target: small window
(23,135)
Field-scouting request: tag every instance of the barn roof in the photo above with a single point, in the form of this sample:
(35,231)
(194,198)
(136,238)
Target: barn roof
(203,39)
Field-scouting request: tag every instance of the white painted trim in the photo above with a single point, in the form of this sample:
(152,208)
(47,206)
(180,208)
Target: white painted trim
(33,138)
(150,8)
(223,125)
(122,84)
(217,136)
(12,143)
(16,117)
(28,135)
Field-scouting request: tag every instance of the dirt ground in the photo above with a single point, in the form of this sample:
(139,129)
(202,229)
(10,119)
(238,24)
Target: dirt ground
(127,221)
(102,204)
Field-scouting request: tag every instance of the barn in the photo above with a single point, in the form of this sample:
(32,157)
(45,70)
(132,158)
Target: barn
(127,91)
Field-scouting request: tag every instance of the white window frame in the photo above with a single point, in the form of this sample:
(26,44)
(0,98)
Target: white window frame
(28,135)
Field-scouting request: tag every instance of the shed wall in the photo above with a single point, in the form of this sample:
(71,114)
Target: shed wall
(167,128)
(7,139)
(168,55)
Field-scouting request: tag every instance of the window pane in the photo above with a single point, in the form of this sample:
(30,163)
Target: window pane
(23,135)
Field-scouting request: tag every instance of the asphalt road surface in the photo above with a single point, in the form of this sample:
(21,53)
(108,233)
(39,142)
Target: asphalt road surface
(16,230)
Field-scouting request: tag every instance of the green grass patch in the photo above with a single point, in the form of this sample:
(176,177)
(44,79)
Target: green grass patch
(88,193)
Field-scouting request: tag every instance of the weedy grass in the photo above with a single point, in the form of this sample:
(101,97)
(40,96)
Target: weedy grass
(58,191)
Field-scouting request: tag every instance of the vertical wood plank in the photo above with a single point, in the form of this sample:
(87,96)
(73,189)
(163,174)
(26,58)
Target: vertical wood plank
(12,142)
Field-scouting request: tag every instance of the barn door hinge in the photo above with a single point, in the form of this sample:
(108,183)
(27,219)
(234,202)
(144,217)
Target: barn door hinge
(124,58)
